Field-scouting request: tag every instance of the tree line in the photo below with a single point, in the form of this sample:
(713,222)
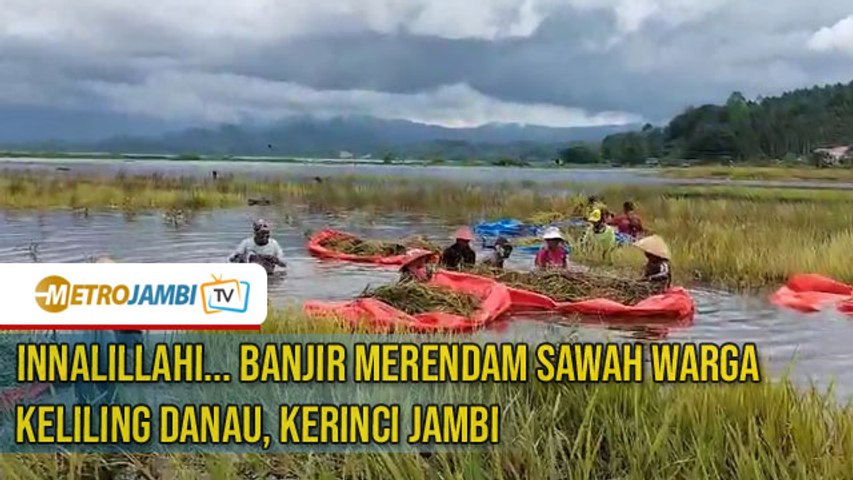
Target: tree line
(789,126)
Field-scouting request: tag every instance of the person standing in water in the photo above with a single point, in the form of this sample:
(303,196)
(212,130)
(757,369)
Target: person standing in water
(460,255)
(553,254)
(502,251)
(260,249)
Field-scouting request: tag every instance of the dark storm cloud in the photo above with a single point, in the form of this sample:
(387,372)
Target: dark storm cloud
(647,57)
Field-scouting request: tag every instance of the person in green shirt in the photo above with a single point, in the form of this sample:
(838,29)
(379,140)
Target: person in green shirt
(599,235)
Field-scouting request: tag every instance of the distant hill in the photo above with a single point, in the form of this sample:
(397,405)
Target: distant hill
(789,126)
(363,136)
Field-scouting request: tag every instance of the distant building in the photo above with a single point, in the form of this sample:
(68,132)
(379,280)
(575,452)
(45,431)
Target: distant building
(343,154)
(833,155)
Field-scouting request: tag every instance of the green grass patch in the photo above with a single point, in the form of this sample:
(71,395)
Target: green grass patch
(839,174)
(732,237)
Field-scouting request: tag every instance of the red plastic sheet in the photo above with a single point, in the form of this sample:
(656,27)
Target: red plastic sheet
(498,301)
(809,292)
(315,246)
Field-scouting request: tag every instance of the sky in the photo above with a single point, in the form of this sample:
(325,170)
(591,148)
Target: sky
(560,63)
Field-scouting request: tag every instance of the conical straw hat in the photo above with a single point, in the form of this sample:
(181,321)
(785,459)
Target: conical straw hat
(416,254)
(653,245)
(464,233)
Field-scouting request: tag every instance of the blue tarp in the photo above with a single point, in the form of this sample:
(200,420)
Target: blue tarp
(506,227)
(510,227)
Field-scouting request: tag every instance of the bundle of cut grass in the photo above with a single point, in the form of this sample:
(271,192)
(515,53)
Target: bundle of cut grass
(414,298)
(527,241)
(364,248)
(573,286)
(546,218)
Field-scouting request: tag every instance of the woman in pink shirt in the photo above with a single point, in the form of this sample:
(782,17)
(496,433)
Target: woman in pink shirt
(553,254)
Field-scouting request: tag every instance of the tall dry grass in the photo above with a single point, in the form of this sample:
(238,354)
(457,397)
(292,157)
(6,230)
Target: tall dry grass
(733,237)
(585,431)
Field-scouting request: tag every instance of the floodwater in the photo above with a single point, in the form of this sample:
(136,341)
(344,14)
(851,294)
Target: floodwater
(820,343)
(488,175)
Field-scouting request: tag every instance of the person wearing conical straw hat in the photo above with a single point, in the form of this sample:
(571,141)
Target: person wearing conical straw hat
(553,254)
(417,266)
(460,254)
(657,268)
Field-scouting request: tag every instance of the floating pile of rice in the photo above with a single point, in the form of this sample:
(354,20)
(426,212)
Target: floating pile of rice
(573,286)
(545,218)
(365,248)
(414,298)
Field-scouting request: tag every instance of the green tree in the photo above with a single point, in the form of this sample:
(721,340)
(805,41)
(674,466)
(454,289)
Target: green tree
(579,153)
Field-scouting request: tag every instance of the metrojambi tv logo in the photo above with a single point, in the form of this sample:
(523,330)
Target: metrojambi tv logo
(55,294)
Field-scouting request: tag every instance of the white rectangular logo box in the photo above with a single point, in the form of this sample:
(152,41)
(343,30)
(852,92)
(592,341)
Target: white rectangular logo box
(139,296)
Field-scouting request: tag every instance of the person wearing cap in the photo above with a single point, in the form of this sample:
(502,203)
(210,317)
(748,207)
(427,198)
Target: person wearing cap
(417,267)
(657,268)
(502,251)
(553,254)
(628,222)
(460,254)
(599,234)
(593,203)
(260,249)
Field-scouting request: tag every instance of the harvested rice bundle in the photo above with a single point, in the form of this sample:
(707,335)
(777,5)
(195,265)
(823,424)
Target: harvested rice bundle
(546,218)
(573,286)
(417,241)
(365,248)
(527,241)
(414,298)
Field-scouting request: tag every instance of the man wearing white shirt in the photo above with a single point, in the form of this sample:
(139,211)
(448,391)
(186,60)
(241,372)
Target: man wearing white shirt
(260,249)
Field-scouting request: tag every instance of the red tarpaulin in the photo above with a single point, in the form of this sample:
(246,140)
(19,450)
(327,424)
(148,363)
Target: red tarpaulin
(315,246)
(498,300)
(809,292)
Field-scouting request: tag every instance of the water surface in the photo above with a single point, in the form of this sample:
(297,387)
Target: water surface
(486,175)
(819,342)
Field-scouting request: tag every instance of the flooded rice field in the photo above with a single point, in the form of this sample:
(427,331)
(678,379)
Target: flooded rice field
(819,344)
(486,175)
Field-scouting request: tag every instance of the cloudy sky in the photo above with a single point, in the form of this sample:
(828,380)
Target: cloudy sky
(446,62)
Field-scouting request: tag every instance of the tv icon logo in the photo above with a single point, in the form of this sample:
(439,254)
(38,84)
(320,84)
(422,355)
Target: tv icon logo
(225,296)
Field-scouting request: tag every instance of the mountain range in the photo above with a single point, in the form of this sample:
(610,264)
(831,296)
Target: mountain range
(300,136)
